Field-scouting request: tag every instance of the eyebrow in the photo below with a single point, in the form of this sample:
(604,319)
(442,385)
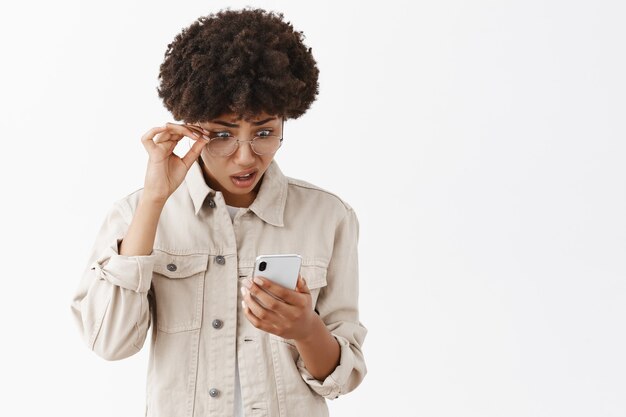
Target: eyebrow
(259,123)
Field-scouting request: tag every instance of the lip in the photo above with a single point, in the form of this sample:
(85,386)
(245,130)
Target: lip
(244,184)
(246,172)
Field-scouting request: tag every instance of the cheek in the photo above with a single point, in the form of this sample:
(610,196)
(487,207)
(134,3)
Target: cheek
(214,167)
(266,161)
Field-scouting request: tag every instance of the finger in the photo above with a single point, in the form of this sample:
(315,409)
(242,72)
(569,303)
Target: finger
(276,290)
(198,130)
(175,132)
(147,140)
(256,322)
(301,286)
(267,300)
(194,152)
(183,130)
(257,309)
(168,136)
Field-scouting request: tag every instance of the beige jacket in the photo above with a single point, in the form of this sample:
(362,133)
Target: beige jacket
(187,289)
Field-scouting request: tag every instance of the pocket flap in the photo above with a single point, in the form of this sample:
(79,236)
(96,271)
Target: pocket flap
(180,266)
(315,276)
(245,272)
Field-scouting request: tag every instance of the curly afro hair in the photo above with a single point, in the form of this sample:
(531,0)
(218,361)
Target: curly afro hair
(238,61)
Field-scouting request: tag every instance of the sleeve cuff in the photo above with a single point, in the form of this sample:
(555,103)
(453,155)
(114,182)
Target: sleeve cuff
(331,387)
(131,272)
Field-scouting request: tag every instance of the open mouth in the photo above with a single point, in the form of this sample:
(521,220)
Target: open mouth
(244,180)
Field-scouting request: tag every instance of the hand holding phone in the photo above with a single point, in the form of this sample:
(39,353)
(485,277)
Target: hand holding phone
(281,269)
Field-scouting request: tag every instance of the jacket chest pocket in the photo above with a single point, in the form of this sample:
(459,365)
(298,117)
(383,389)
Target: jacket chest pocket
(178,282)
(315,278)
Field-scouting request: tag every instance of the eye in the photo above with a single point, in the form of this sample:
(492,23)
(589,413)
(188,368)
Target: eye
(264,132)
(221,135)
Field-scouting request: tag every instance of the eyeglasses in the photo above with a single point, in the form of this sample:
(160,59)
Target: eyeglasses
(227,145)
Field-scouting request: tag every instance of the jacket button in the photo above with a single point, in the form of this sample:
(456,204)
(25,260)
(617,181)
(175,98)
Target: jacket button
(171,267)
(220,259)
(212,204)
(214,392)
(217,324)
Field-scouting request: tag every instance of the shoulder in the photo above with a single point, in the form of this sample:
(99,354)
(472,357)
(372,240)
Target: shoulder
(127,205)
(306,193)
(179,201)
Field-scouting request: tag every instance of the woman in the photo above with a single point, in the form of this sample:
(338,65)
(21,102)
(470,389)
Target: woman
(178,254)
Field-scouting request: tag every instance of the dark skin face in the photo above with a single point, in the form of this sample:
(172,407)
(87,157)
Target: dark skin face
(222,172)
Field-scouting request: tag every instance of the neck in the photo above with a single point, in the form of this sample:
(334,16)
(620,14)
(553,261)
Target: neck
(236,200)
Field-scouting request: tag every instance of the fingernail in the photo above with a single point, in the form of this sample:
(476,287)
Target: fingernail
(205,137)
(243,304)
(244,291)
(258,281)
(247,283)
(195,134)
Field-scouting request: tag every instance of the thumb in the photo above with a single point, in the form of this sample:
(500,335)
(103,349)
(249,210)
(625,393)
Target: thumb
(194,152)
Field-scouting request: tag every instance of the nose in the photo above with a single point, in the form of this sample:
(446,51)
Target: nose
(244,156)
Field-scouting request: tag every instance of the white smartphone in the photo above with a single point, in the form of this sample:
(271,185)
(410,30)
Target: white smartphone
(281,269)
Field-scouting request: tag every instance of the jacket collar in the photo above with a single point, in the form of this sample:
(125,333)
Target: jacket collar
(269,204)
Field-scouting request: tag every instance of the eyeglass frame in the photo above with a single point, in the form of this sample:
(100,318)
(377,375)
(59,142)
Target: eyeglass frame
(202,132)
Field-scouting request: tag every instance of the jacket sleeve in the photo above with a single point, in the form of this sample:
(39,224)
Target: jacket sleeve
(337,306)
(111,305)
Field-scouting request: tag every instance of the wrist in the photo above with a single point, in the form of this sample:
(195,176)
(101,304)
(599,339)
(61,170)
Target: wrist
(313,330)
(149,200)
